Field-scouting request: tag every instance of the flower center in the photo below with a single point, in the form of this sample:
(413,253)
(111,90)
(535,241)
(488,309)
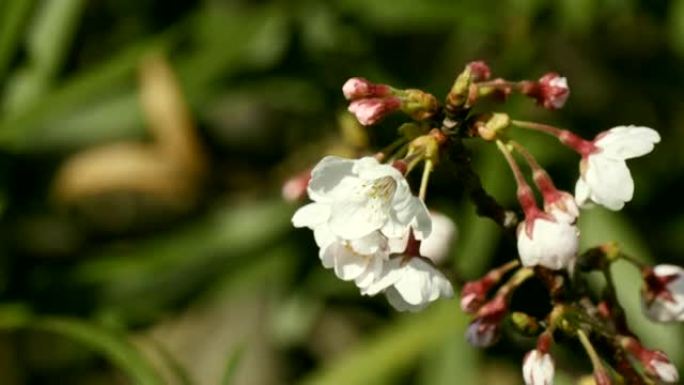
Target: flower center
(381,189)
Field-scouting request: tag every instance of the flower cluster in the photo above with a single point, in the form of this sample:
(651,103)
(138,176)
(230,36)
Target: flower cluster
(367,225)
(373,231)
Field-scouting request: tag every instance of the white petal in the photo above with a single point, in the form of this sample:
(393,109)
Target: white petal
(610,182)
(410,211)
(311,215)
(421,283)
(663,309)
(553,244)
(323,236)
(369,244)
(666,371)
(538,368)
(397,301)
(352,219)
(327,255)
(391,273)
(398,245)
(326,175)
(372,273)
(625,142)
(369,168)
(414,286)
(348,264)
(436,246)
(582,192)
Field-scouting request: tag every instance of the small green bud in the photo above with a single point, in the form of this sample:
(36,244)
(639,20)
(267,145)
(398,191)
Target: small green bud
(525,323)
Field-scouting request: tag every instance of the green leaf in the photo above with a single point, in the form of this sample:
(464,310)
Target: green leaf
(48,42)
(677,25)
(394,349)
(111,344)
(13,16)
(232,364)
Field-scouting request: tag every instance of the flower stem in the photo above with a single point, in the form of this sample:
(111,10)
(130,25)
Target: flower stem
(519,178)
(525,194)
(516,280)
(540,176)
(581,146)
(591,352)
(427,169)
(545,128)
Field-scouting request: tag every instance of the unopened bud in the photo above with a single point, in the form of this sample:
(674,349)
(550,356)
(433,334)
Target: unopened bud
(372,110)
(538,368)
(418,104)
(294,188)
(492,125)
(427,145)
(360,88)
(525,323)
(480,70)
(551,90)
(458,95)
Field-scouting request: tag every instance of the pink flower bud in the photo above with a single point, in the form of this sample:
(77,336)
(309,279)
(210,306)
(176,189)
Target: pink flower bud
(483,334)
(358,88)
(484,330)
(372,110)
(553,91)
(294,188)
(479,70)
(663,293)
(474,294)
(538,368)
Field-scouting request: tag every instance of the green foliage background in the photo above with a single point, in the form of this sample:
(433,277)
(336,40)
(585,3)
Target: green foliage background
(131,289)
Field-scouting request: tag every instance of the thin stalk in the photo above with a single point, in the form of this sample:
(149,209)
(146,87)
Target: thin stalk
(519,178)
(591,352)
(427,169)
(545,128)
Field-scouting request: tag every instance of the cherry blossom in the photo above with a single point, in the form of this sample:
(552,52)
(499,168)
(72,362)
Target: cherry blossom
(436,246)
(411,285)
(363,196)
(605,178)
(663,293)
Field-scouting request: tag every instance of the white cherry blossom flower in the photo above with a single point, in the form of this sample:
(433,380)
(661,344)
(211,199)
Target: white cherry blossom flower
(659,366)
(663,293)
(605,178)
(436,246)
(411,285)
(548,241)
(364,196)
(538,368)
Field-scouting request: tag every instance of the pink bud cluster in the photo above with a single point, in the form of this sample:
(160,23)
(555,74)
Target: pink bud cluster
(370,102)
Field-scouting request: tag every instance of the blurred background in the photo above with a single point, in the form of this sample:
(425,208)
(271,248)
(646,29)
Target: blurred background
(143,146)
